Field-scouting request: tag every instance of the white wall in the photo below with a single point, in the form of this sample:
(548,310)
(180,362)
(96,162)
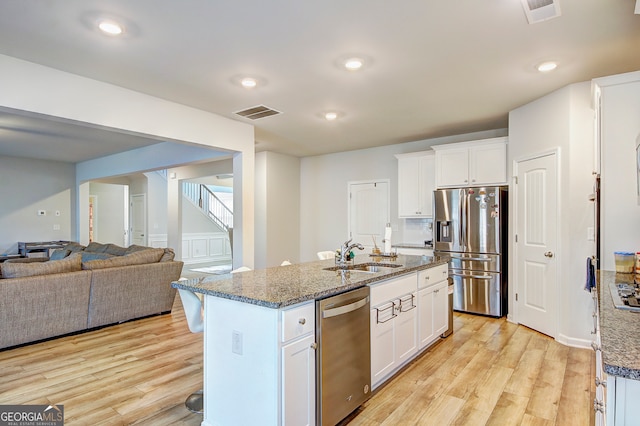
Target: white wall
(25,86)
(109,216)
(27,186)
(620,221)
(323,189)
(277,209)
(563,119)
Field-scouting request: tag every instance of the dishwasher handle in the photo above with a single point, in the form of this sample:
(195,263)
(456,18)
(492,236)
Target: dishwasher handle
(345,309)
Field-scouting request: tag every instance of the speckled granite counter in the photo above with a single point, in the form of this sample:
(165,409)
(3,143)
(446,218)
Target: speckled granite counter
(619,330)
(287,285)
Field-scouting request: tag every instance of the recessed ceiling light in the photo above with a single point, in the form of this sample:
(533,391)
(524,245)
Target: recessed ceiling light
(110,27)
(331,115)
(547,66)
(249,82)
(353,64)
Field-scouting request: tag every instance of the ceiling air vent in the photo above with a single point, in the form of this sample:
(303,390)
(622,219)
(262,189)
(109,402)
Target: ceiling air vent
(256,112)
(541,10)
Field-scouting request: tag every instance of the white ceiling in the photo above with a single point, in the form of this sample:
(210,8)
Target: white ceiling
(436,67)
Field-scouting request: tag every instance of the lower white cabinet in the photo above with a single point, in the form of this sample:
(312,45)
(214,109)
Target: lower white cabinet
(433,303)
(299,382)
(393,326)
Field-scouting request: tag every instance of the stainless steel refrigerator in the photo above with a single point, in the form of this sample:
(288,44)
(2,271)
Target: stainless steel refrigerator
(471,227)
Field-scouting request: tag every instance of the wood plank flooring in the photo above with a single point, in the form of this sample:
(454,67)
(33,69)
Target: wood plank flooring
(489,372)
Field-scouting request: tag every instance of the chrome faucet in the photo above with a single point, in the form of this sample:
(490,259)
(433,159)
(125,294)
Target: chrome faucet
(346,248)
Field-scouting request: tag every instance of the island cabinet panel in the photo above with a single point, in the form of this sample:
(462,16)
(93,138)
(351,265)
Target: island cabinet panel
(393,326)
(433,305)
(248,362)
(475,163)
(416,182)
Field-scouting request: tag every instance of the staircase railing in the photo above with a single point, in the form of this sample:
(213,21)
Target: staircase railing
(211,205)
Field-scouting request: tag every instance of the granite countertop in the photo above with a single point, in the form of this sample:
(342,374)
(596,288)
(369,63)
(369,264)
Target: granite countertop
(619,330)
(287,285)
(413,246)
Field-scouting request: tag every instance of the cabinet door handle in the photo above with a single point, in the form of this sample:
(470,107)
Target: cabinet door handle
(302,321)
(314,346)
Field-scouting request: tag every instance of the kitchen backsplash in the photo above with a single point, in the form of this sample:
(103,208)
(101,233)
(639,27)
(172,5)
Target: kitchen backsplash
(416,231)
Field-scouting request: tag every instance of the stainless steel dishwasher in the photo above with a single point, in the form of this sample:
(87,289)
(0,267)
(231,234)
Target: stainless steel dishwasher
(344,361)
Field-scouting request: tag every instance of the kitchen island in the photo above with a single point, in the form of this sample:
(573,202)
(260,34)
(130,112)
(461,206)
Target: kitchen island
(259,336)
(618,353)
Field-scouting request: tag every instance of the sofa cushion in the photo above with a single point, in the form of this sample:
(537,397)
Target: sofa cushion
(135,248)
(150,255)
(16,270)
(94,247)
(74,247)
(59,254)
(87,256)
(115,250)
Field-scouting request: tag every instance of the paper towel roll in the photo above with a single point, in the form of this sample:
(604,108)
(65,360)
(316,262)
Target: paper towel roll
(387,239)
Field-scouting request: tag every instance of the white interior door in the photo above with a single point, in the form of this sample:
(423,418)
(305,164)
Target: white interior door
(368,211)
(536,211)
(138,219)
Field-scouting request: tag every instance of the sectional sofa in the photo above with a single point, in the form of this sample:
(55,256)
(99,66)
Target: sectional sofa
(81,288)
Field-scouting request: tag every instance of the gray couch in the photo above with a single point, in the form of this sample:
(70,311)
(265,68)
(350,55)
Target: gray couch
(87,287)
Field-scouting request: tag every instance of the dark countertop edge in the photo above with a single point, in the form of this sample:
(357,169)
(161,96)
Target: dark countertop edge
(618,331)
(312,296)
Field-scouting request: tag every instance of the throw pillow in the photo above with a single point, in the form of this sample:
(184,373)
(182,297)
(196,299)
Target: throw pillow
(150,255)
(59,254)
(115,250)
(87,256)
(94,247)
(74,247)
(17,270)
(168,255)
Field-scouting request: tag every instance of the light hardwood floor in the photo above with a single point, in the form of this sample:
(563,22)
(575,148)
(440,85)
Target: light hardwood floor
(489,372)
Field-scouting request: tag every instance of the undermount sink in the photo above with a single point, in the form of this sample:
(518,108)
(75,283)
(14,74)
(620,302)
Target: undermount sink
(363,267)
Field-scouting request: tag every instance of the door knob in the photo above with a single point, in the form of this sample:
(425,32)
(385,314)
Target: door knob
(549,254)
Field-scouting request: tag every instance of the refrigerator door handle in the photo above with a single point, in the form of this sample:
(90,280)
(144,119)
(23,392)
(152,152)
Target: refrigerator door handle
(462,218)
(479,277)
(479,259)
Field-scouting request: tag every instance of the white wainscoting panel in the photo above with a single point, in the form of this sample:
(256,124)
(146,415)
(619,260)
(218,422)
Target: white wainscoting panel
(199,247)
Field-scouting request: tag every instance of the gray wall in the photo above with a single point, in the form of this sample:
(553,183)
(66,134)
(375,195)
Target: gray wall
(27,186)
(323,189)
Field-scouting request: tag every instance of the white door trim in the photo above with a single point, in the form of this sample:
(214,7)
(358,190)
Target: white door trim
(513,267)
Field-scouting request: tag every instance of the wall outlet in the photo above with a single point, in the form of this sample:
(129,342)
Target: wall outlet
(591,234)
(236,342)
(42,212)
(56,227)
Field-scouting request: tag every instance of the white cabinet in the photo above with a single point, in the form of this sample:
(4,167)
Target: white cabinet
(599,404)
(433,304)
(299,366)
(393,326)
(475,163)
(299,382)
(416,182)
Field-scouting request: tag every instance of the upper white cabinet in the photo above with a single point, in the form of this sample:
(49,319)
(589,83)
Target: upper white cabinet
(482,162)
(416,182)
